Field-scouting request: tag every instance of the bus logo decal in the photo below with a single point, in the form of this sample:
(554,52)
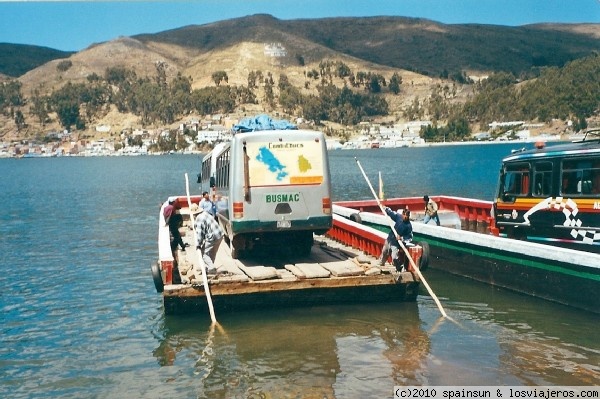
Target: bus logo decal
(570,210)
(276,198)
(266,156)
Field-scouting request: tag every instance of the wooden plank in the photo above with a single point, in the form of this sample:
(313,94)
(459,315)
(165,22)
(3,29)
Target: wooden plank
(284,274)
(257,272)
(343,268)
(308,270)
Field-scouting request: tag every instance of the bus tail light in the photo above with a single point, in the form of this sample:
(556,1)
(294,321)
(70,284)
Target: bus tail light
(327,206)
(238,210)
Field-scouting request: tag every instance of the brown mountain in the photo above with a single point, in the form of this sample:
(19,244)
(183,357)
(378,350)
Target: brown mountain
(412,44)
(16,59)
(378,44)
(408,43)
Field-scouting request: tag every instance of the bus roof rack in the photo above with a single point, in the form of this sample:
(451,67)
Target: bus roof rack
(591,135)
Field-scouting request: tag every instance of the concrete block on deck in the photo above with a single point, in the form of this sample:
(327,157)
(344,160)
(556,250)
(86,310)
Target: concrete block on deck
(343,268)
(284,274)
(308,270)
(257,272)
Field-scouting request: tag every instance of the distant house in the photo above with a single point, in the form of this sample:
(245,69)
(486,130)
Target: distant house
(213,134)
(495,124)
(103,128)
(483,136)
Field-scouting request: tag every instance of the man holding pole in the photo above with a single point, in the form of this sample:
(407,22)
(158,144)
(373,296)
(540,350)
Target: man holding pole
(209,236)
(404,229)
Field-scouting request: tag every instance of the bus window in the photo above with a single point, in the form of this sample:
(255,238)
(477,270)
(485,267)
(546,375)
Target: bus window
(542,179)
(596,179)
(515,181)
(580,177)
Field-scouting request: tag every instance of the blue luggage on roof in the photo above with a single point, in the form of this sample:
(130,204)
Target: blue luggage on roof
(263,122)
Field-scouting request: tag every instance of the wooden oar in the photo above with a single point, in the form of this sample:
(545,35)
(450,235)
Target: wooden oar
(199,253)
(412,262)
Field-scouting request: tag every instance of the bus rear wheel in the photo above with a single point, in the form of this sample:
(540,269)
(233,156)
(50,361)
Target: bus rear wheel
(304,242)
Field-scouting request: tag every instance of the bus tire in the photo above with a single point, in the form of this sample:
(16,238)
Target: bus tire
(424,262)
(355,217)
(305,243)
(157,277)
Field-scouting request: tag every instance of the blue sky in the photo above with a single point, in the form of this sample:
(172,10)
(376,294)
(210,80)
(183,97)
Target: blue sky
(73,26)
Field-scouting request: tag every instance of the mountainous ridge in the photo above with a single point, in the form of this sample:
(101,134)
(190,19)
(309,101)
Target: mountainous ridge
(415,44)
(423,53)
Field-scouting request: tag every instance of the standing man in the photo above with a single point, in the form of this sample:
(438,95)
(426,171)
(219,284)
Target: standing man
(431,211)
(404,229)
(174,220)
(209,236)
(207,204)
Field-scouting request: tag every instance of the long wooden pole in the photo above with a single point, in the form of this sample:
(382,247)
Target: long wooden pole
(412,262)
(199,253)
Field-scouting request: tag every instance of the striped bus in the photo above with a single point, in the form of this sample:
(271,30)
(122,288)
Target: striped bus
(552,194)
(272,189)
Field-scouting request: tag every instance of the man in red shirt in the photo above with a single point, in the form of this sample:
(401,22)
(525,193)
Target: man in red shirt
(174,220)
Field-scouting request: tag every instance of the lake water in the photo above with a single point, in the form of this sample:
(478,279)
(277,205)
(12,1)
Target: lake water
(81,317)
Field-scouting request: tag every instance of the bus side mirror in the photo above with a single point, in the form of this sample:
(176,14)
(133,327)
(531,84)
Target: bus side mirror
(212,182)
(199,178)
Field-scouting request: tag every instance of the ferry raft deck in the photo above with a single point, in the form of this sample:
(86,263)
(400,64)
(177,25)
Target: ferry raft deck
(333,272)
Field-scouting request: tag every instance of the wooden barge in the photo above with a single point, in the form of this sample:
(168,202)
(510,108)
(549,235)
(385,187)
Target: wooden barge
(467,245)
(340,268)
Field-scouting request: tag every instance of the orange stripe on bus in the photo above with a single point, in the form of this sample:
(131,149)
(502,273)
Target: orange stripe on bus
(306,179)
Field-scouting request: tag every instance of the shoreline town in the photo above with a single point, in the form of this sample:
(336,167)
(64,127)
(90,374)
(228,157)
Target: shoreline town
(370,136)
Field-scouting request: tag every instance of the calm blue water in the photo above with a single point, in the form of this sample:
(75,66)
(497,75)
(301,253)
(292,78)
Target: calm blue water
(81,317)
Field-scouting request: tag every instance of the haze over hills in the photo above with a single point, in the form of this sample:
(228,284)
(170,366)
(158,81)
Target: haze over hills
(421,51)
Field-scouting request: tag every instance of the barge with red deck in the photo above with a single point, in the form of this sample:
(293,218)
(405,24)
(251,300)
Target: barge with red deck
(467,244)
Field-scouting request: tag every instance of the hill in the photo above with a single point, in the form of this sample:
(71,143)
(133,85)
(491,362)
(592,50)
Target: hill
(414,44)
(423,53)
(16,59)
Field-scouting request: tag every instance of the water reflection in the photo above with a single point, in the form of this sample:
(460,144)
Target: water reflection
(535,342)
(320,352)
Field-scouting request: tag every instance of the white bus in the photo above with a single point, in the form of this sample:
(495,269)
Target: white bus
(272,188)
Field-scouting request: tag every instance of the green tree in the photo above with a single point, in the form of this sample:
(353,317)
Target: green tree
(64,65)
(39,107)
(10,94)
(220,76)
(313,109)
(20,120)
(65,102)
(395,82)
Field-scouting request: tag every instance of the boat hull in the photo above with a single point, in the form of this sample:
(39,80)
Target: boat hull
(557,281)
(562,275)
(275,295)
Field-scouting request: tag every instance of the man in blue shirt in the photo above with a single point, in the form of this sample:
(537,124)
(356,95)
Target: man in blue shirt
(207,204)
(403,227)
